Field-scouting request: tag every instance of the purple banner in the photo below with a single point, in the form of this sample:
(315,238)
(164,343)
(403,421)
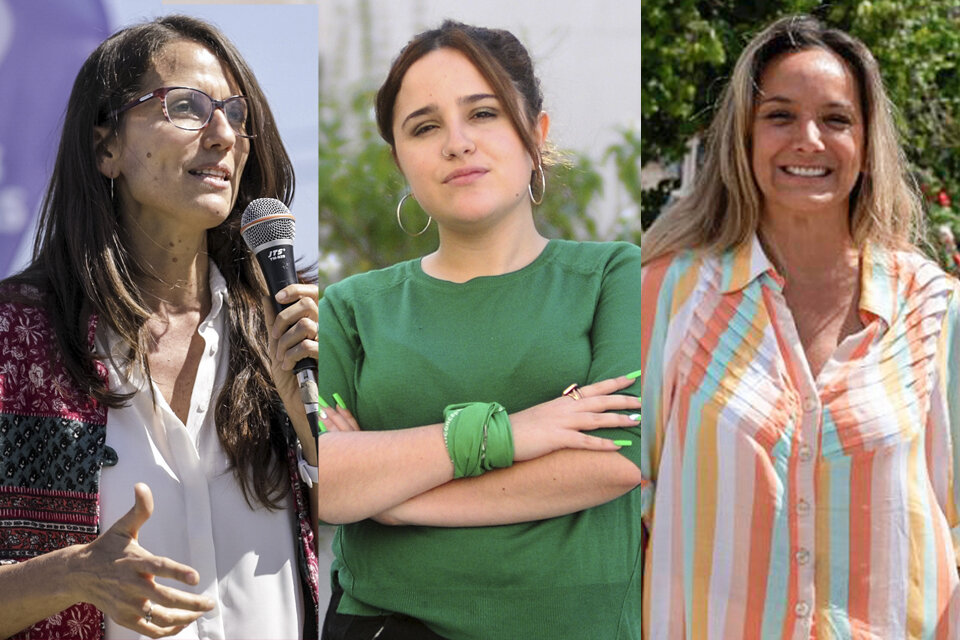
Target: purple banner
(42,45)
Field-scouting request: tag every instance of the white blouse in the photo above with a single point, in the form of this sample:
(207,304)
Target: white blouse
(246,558)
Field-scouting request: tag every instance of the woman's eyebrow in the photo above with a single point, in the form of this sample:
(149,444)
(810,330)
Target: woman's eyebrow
(432,107)
(841,104)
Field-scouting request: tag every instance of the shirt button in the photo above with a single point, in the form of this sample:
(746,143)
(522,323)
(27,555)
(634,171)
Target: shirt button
(201,408)
(805,453)
(803,507)
(803,557)
(802,609)
(809,405)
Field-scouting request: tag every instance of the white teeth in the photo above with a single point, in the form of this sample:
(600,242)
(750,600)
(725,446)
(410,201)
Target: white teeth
(807,172)
(210,172)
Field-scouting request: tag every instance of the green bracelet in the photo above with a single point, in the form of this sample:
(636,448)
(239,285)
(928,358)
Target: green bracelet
(498,437)
(478,437)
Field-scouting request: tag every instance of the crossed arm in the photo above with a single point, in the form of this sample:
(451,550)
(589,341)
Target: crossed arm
(406,476)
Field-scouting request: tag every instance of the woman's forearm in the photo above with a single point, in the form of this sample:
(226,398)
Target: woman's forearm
(363,473)
(34,590)
(557,484)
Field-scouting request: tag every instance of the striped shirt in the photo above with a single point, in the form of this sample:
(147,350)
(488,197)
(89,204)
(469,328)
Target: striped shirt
(783,506)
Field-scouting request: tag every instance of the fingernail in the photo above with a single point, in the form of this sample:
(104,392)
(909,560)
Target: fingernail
(339,401)
(282,296)
(623,443)
(323,403)
(323,414)
(635,417)
(323,429)
(633,375)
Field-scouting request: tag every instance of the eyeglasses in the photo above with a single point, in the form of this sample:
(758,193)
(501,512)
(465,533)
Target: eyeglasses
(191,109)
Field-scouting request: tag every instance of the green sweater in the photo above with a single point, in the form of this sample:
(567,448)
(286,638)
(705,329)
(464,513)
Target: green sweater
(399,346)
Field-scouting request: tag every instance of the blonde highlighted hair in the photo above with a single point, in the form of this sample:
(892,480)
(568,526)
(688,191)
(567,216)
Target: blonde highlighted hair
(724,209)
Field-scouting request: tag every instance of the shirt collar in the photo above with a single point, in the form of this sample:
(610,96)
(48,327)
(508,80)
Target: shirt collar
(218,293)
(879,282)
(219,296)
(744,264)
(878,275)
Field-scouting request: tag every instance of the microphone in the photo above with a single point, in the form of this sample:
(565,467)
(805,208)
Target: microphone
(268,228)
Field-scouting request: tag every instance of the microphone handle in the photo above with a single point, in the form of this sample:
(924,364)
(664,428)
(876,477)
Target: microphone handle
(310,397)
(277,264)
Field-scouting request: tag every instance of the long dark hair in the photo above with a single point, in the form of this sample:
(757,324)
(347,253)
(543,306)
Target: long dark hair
(82,264)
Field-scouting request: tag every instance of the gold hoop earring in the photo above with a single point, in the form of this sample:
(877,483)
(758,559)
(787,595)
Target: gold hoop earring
(543,184)
(400,221)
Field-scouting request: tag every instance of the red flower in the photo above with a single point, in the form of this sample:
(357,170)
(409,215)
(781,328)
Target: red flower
(943,198)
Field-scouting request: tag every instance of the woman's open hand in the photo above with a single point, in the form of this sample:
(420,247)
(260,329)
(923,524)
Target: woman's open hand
(560,423)
(116,574)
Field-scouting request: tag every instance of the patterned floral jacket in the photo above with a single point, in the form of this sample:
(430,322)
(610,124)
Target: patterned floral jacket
(52,448)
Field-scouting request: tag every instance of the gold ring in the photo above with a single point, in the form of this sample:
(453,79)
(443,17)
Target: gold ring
(573,391)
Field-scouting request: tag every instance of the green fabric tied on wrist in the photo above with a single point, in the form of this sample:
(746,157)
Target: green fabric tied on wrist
(478,437)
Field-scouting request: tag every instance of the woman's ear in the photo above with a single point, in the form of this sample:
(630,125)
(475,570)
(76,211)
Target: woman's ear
(542,128)
(105,146)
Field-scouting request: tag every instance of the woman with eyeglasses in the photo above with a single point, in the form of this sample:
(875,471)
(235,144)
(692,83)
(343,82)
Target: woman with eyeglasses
(150,422)
(482,493)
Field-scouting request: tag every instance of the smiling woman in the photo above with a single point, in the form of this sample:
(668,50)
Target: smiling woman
(807,137)
(800,373)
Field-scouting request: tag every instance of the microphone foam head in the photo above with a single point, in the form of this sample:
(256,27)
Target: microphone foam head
(266,220)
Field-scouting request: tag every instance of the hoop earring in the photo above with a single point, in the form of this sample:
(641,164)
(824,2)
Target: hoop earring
(543,184)
(400,221)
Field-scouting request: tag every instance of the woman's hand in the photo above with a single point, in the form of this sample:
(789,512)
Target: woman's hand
(116,574)
(549,426)
(338,419)
(559,423)
(368,473)
(293,336)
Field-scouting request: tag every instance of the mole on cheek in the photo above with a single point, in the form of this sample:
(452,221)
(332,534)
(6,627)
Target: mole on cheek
(149,155)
